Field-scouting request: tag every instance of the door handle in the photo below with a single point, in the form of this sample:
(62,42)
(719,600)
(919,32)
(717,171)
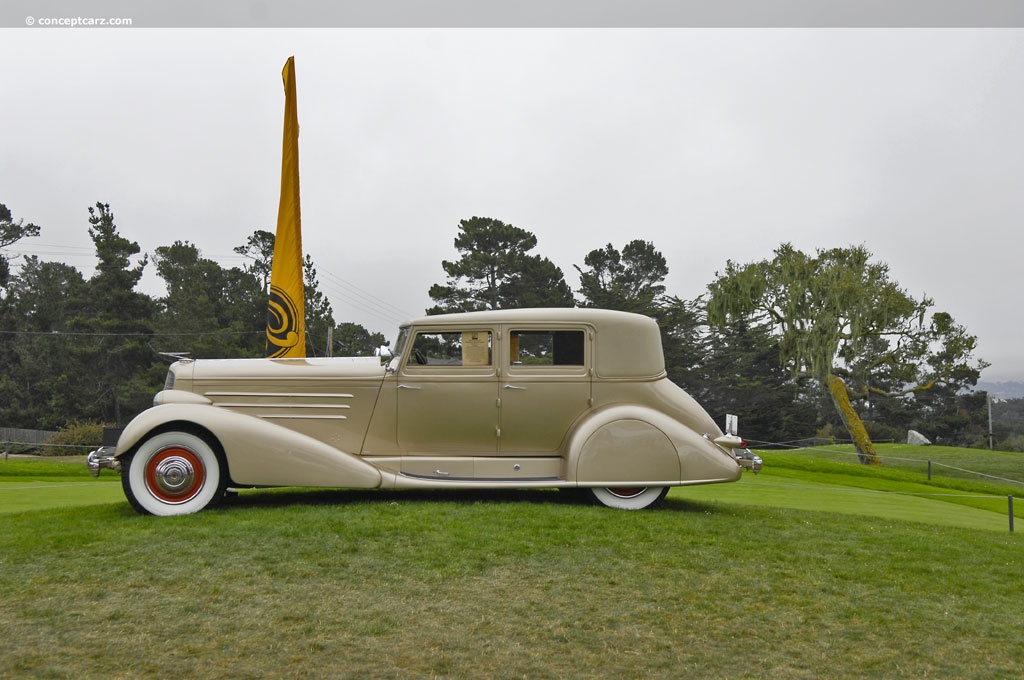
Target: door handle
(409,387)
(514,387)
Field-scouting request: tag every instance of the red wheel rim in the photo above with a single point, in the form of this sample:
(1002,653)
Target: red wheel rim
(627,491)
(175,475)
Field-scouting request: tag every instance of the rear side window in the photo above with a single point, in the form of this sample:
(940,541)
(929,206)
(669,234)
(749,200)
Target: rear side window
(546,348)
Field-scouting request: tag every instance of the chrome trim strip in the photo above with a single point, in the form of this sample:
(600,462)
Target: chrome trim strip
(312,395)
(284,417)
(481,479)
(226,404)
(518,479)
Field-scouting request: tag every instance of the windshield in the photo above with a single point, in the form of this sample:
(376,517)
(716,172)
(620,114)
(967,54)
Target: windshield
(399,347)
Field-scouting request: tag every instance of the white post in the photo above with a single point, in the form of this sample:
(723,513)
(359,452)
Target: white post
(989,422)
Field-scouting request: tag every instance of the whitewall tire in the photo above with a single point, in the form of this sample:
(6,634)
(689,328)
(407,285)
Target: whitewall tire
(174,473)
(629,498)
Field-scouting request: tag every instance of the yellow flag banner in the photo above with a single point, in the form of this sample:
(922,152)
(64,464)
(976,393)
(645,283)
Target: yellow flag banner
(286,316)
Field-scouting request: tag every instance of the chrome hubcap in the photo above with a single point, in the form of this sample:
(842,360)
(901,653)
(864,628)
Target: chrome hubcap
(174,474)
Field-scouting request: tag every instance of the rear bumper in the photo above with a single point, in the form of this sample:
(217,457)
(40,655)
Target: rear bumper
(748,460)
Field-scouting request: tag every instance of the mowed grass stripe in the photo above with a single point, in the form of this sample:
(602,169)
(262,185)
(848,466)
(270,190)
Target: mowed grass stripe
(817,494)
(761,491)
(20,494)
(781,488)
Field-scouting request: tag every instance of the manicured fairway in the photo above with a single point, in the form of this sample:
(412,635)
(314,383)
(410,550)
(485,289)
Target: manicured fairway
(932,506)
(774,487)
(44,483)
(763,490)
(19,493)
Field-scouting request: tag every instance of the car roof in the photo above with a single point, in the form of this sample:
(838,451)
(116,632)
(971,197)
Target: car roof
(629,345)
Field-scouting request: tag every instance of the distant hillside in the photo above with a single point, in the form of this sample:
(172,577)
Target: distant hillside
(1006,390)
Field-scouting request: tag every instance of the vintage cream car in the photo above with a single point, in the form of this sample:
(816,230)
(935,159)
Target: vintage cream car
(567,398)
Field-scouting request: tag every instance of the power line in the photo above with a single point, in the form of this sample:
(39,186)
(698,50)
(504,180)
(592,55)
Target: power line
(56,246)
(334,286)
(371,296)
(86,334)
(366,301)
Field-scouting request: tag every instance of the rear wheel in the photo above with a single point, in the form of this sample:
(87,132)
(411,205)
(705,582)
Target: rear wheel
(174,473)
(629,498)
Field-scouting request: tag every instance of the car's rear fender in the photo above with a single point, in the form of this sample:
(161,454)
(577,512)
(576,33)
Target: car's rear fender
(258,453)
(630,444)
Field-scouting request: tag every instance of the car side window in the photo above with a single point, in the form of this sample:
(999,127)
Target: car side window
(547,348)
(452,348)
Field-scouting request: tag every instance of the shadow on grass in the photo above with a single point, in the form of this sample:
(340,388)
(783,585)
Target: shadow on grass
(256,498)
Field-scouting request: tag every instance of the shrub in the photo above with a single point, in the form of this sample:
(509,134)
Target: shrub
(76,438)
(1013,443)
(15,447)
(826,433)
(881,432)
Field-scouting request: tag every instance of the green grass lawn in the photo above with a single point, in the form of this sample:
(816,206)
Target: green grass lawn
(800,572)
(948,462)
(782,491)
(831,480)
(42,484)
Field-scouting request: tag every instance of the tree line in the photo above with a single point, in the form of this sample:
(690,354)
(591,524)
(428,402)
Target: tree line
(78,349)
(799,345)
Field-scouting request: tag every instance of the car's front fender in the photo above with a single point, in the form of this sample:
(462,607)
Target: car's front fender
(258,452)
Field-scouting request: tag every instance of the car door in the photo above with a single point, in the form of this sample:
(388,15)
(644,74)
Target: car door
(447,391)
(545,386)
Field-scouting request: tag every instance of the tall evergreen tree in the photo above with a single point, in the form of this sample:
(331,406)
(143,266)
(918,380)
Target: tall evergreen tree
(496,271)
(353,340)
(42,385)
(11,231)
(744,376)
(115,324)
(630,280)
(319,315)
(259,248)
(203,312)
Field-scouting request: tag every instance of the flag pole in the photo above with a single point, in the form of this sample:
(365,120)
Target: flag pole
(286,319)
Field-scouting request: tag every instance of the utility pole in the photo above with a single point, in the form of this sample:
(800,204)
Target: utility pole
(990,435)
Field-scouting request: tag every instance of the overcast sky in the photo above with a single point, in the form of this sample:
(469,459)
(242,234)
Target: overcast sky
(714,144)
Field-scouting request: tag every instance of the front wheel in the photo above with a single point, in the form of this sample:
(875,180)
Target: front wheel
(629,498)
(174,473)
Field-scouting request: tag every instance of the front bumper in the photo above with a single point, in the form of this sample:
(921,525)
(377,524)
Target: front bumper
(102,459)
